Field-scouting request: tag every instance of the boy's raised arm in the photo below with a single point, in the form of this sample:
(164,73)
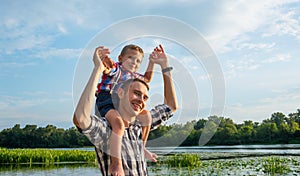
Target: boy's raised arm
(149,71)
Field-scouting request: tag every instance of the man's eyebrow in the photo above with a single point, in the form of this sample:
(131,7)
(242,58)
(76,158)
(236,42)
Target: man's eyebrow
(137,90)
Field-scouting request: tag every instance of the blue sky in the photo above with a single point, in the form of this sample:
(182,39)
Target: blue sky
(256,44)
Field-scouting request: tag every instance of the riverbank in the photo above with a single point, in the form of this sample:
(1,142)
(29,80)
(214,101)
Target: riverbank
(210,161)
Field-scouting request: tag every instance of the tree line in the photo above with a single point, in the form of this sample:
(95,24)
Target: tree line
(278,129)
(50,136)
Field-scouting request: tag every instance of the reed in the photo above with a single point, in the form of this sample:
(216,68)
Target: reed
(275,165)
(183,160)
(46,156)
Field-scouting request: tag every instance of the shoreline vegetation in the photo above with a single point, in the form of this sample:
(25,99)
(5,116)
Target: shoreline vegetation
(191,163)
(45,156)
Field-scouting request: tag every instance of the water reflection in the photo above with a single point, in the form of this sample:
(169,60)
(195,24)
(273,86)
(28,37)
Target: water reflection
(293,149)
(206,153)
(51,169)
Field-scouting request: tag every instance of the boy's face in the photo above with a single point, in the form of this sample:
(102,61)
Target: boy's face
(131,60)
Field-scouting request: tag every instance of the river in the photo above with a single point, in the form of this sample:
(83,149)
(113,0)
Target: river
(206,151)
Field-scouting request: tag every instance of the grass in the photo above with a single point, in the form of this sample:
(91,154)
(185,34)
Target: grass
(183,160)
(45,156)
(191,164)
(177,164)
(275,165)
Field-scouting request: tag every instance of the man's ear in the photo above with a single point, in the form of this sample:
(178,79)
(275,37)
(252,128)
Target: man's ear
(120,93)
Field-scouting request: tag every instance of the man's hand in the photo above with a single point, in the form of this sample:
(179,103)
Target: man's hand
(97,58)
(116,170)
(150,156)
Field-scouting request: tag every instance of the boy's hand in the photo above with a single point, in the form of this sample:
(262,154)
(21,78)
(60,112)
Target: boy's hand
(158,56)
(108,62)
(102,54)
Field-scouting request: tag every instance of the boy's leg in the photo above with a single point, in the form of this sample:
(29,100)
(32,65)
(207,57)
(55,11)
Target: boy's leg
(146,119)
(115,142)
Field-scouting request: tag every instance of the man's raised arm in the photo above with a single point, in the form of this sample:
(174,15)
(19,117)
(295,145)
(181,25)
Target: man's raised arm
(83,109)
(162,113)
(160,58)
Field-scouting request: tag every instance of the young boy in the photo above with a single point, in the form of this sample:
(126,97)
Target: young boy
(130,59)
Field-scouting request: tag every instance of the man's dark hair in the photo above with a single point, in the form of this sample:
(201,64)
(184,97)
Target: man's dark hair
(124,85)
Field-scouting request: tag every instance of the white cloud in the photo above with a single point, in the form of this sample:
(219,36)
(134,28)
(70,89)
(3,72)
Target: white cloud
(256,46)
(235,67)
(238,18)
(34,104)
(263,108)
(286,23)
(278,58)
(28,25)
(58,53)
(62,28)
(234,19)
(16,64)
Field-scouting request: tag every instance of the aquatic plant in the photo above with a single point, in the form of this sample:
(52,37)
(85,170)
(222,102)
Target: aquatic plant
(275,165)
(183,160)
(45,156)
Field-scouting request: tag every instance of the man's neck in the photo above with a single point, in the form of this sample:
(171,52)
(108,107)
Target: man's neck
(126,118)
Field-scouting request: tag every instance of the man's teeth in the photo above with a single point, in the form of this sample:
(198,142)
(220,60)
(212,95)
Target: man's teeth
(136,106)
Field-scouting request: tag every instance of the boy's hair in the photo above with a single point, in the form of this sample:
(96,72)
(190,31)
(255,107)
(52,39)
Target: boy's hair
(132,47)
(125,85)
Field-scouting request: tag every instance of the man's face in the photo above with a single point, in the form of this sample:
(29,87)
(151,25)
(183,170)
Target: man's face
(137,96)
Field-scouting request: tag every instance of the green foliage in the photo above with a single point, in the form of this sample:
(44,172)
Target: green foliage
(183,160)
(237,165)
(276,129)
(43,137)
(275,165)
(45,156)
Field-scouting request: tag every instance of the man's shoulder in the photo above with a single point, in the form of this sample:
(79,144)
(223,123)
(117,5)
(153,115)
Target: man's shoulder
(98,123)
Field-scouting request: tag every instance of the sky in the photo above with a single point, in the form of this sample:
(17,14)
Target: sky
(46,55)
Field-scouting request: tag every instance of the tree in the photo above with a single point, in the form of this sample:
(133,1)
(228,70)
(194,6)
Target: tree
(267,132)
(295,117)
(246,134)
(200,124)
(278,118)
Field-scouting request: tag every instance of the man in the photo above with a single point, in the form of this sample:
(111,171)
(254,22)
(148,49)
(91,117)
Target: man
(131,97)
